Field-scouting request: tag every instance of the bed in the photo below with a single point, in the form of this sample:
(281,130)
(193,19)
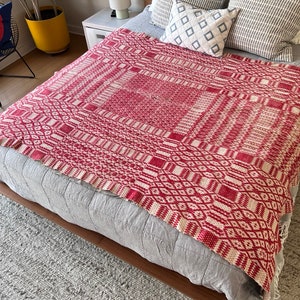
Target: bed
(190,159)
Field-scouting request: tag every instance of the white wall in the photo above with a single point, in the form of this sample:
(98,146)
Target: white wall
(78,10)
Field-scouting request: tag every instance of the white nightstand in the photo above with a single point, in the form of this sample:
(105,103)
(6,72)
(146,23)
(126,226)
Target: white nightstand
(101,24)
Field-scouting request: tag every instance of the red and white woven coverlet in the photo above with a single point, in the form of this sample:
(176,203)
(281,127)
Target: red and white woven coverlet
(209,145)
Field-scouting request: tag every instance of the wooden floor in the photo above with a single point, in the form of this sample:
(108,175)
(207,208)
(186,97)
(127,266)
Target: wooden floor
(42,64)
(11,89)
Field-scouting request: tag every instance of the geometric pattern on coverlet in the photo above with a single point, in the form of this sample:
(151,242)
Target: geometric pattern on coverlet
(181,134)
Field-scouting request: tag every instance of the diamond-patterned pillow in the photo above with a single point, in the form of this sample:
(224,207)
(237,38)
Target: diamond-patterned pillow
(200,30)
(161,9)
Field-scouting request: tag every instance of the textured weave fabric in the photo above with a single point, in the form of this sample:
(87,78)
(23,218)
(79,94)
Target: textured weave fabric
(40,260)
(161,9)
(197,29)
(265,28)
(189,147)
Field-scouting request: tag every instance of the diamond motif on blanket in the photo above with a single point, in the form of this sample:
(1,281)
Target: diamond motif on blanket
(197,29)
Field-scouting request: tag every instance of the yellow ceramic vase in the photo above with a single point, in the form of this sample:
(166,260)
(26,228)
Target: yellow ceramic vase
(50,35)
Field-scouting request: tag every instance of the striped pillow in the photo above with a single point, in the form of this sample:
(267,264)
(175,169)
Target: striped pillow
(265,28)
(161,9)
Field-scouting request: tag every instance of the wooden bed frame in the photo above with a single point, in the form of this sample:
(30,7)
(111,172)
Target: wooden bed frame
(169,277)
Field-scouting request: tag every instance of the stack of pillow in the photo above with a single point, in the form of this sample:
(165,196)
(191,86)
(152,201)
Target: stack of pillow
(267,28)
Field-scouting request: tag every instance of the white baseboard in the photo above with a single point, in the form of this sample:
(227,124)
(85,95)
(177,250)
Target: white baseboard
(7,61)
(76,29)
(14,57)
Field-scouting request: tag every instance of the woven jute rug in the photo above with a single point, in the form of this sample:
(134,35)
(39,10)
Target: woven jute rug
(41,260)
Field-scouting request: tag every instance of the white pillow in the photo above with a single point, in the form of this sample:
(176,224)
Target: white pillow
(197,29)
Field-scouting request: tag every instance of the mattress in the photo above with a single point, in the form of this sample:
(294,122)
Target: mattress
(126,223)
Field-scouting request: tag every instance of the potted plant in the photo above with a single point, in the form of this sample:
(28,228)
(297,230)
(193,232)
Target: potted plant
(47,25)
